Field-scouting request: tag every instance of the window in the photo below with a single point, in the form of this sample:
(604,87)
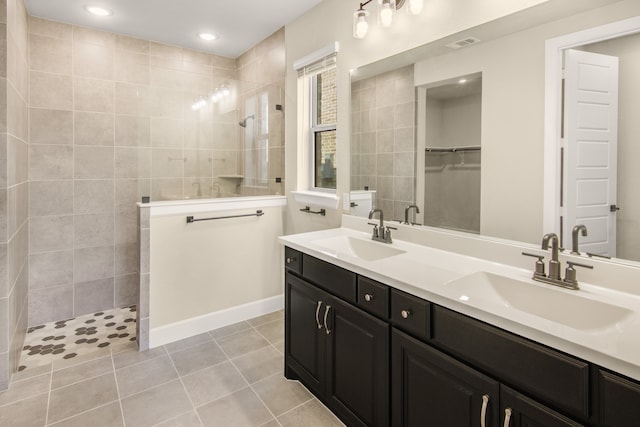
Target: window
(323,129)
(317,118)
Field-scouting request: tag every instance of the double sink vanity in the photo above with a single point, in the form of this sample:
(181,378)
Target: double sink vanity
(410,334)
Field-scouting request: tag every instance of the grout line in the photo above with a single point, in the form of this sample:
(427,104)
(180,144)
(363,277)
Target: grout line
(248,383)
(81,413)
(115,377)
(185,389)
(46,419)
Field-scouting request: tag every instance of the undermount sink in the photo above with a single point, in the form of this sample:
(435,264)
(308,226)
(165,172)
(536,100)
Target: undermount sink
(561,307)
(367,250)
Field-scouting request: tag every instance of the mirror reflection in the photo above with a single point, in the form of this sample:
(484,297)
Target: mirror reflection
(503,171)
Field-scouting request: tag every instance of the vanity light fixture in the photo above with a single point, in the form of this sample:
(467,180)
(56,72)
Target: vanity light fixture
(207,36)
(387,10)
(98,11)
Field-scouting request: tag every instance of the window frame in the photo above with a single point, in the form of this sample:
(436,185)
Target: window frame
(315,129)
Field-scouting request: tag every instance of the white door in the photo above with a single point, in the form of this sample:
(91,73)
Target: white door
(590,150)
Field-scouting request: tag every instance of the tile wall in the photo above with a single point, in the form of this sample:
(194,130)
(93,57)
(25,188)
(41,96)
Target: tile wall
(14,190)
(383,143)
(111,120)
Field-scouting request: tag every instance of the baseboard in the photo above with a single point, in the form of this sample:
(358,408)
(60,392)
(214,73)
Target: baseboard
(197,325)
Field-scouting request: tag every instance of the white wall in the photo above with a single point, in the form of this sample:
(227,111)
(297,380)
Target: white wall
(207,267)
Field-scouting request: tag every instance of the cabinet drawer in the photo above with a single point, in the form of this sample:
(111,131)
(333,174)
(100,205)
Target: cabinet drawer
(293,260)
(545,374)
(373,297)
(619,400)
(334,279)
(411,314)
(523,411)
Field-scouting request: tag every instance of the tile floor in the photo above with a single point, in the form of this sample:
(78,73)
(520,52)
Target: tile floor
(228,377)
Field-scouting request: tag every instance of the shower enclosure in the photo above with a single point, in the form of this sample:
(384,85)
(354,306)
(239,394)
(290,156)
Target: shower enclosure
(232,145)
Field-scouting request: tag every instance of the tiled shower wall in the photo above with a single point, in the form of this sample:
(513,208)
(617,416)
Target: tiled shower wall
(14,198)
(382,141)
(111,121)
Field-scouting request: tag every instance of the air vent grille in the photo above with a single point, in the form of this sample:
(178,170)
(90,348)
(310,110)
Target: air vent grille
(468,41)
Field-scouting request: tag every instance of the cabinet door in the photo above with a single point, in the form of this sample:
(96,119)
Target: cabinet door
(305,342)
(520,411)
(619,401)
(358,365)
(429,388)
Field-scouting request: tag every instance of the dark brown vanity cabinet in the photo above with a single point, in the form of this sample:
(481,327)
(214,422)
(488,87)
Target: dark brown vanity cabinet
(337,350)
(432,389)
(377,356)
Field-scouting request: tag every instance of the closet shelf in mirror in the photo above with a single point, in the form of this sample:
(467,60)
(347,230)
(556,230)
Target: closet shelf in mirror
(453,149)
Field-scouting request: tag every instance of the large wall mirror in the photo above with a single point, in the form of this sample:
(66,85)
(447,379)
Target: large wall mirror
(487,170)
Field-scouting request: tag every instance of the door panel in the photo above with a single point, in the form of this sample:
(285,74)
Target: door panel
(591,139)
(305,343)
(358,365)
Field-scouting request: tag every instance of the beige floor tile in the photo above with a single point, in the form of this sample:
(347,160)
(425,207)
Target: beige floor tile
(199,357)
(241,343)
(104,416)
(213,383)
(74,374)
(260,364)
(31,372)
(71,400)
(131,357)
(242,408)
(30,412)
(190,419)
(272,331)
(267,318)
(272,423)
(188,342)
(136,378)
(281,395)
(230,330)
(311,414)
(156,405)
(25,388)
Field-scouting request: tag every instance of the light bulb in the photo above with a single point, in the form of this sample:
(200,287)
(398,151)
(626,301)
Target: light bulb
(386,14)
(98,11)
(225,91)
(360,24)
(415,6)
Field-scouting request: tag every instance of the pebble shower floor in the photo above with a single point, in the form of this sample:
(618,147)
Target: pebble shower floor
(66,339)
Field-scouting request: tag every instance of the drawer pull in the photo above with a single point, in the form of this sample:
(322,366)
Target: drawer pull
(290,260)
(368,297)
(326,314)
(405,314)
(483,412)
(317,314)
(507,417)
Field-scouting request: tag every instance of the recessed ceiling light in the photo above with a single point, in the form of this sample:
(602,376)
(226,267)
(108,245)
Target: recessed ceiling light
(462,81)
(207,36)
(98,11)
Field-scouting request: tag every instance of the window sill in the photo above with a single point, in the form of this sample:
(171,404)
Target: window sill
(316,198)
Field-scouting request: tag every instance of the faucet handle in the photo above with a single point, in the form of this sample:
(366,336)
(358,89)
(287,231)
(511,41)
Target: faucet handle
(539,271)
(570,273)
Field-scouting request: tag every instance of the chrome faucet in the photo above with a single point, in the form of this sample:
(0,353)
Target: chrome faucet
(381,233)
(406,212)
(554,278)
(581,228)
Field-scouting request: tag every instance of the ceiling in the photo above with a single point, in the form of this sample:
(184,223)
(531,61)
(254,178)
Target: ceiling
(239,24)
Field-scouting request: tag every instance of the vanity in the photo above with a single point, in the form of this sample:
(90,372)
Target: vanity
(405,334)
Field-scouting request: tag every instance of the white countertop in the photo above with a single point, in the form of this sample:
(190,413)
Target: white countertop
(431,273)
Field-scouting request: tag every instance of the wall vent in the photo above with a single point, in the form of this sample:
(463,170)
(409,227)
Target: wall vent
(468,41)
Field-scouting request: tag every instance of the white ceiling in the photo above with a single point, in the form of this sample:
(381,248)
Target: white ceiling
(239,24)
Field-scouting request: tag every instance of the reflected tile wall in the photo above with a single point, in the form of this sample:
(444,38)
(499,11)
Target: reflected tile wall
(383,146)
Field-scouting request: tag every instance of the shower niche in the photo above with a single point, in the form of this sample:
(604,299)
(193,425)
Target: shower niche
(449,141)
